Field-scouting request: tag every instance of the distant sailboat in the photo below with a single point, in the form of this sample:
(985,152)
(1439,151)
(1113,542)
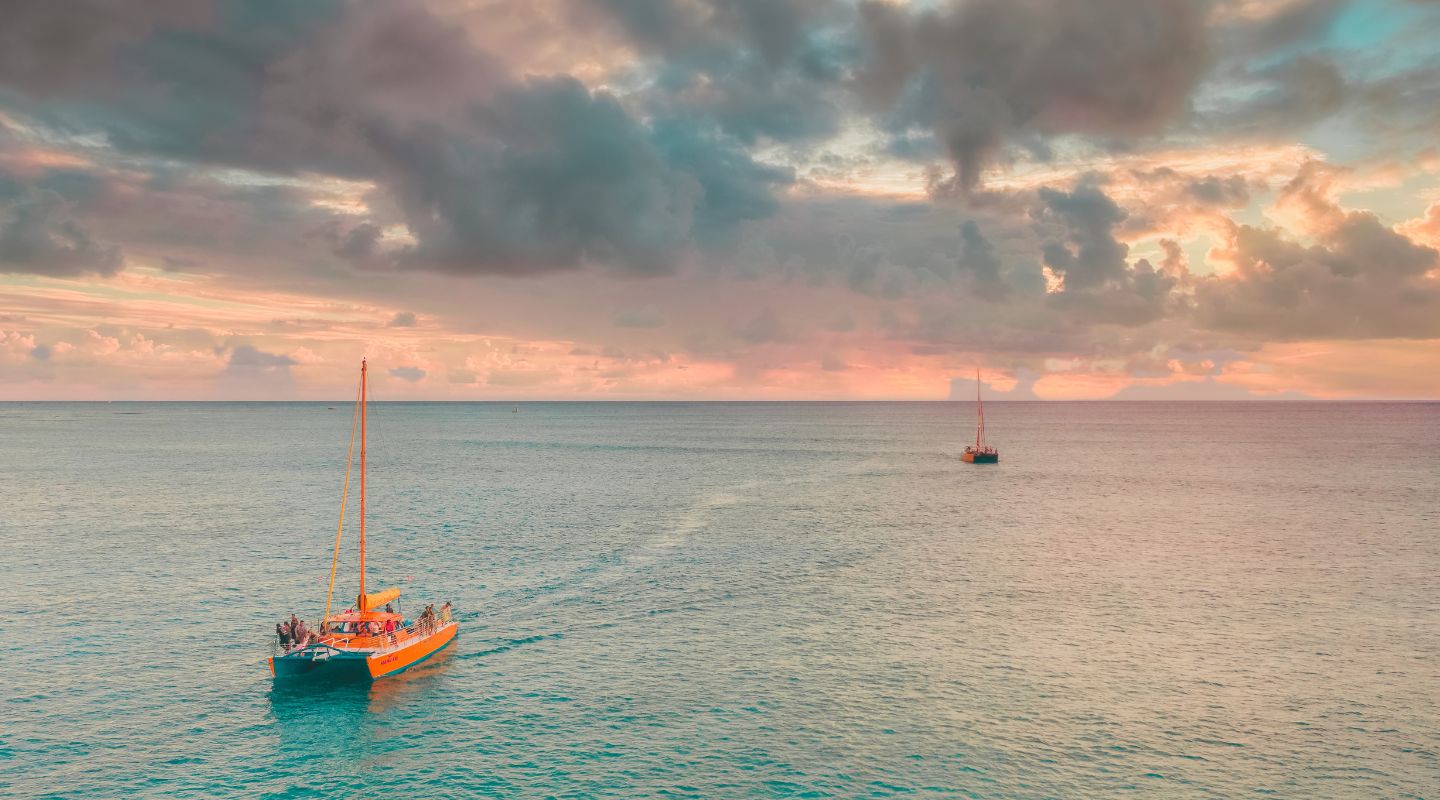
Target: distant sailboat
(980,452)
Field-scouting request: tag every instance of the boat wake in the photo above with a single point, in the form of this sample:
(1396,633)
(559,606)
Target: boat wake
(690,522)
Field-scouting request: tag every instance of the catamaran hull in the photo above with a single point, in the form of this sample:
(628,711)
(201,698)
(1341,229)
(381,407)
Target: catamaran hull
(384,664)
(980,458)
(339,665)
(321,662)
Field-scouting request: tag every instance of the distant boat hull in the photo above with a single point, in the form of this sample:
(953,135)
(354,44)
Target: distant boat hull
(980,458)
(323,661)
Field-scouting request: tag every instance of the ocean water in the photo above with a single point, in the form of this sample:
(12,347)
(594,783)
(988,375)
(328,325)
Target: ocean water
(733,600)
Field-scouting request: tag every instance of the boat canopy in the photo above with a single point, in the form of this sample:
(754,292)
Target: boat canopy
(378,599)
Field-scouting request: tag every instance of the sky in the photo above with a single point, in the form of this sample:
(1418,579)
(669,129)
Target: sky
(720,199)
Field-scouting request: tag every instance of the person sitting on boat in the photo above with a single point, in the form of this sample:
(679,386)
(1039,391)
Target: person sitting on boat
(389,608)
(390,624)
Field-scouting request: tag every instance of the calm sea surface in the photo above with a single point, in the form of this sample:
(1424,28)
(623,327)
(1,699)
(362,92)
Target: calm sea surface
(733,600)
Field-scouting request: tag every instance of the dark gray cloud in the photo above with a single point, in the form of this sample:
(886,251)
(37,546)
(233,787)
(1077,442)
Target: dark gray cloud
(1283,97)
(50,47)
(986,74)
(978,258)
(764,328)
(402,319)
(246,357)
(251,372)
(490,174)
(1309,63)
(1295,24)
(1080,247)
(552,175)
(39,234)
(1085,254)
(647,316)
(757,68)
(894,249)
(192,87)
(410,374)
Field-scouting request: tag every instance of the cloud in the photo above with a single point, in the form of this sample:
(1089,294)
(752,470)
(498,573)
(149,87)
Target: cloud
(764,328)
(1096,280)
(47,47)
(411,374)
(552,176)
(253,373)
(489,173)
(519,377)
(1359,279)
(1426,229)
(1207,388)
(897,248)
(246,357)
(647,316)
(1284,97)
(764,164)
(756,68)
(977,257)
(987,74)
(963,389)
(39,234)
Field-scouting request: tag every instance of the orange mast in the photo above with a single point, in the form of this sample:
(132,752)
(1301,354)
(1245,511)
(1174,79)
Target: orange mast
(359,604)
(979,441)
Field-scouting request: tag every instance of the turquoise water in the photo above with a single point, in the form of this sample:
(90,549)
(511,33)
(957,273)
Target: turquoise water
(734,600)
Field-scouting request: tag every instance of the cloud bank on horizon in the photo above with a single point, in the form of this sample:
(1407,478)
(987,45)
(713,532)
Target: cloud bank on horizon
(720,198)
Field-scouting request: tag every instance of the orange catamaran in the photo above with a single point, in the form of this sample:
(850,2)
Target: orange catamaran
(370,640)
(980,452)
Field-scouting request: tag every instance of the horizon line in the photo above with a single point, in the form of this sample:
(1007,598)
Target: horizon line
(348,401)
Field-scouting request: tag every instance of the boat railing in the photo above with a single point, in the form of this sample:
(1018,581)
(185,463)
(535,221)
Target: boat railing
(380,642)
(396,639)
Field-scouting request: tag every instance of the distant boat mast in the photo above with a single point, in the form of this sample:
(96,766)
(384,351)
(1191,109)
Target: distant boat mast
(980,419)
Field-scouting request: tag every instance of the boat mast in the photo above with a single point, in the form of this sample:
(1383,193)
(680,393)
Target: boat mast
(360,603)
(979,442)
(344,496)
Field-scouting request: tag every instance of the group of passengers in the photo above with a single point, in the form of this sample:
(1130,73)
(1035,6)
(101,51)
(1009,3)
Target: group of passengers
(295,633)
(430,618)
(373,627)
